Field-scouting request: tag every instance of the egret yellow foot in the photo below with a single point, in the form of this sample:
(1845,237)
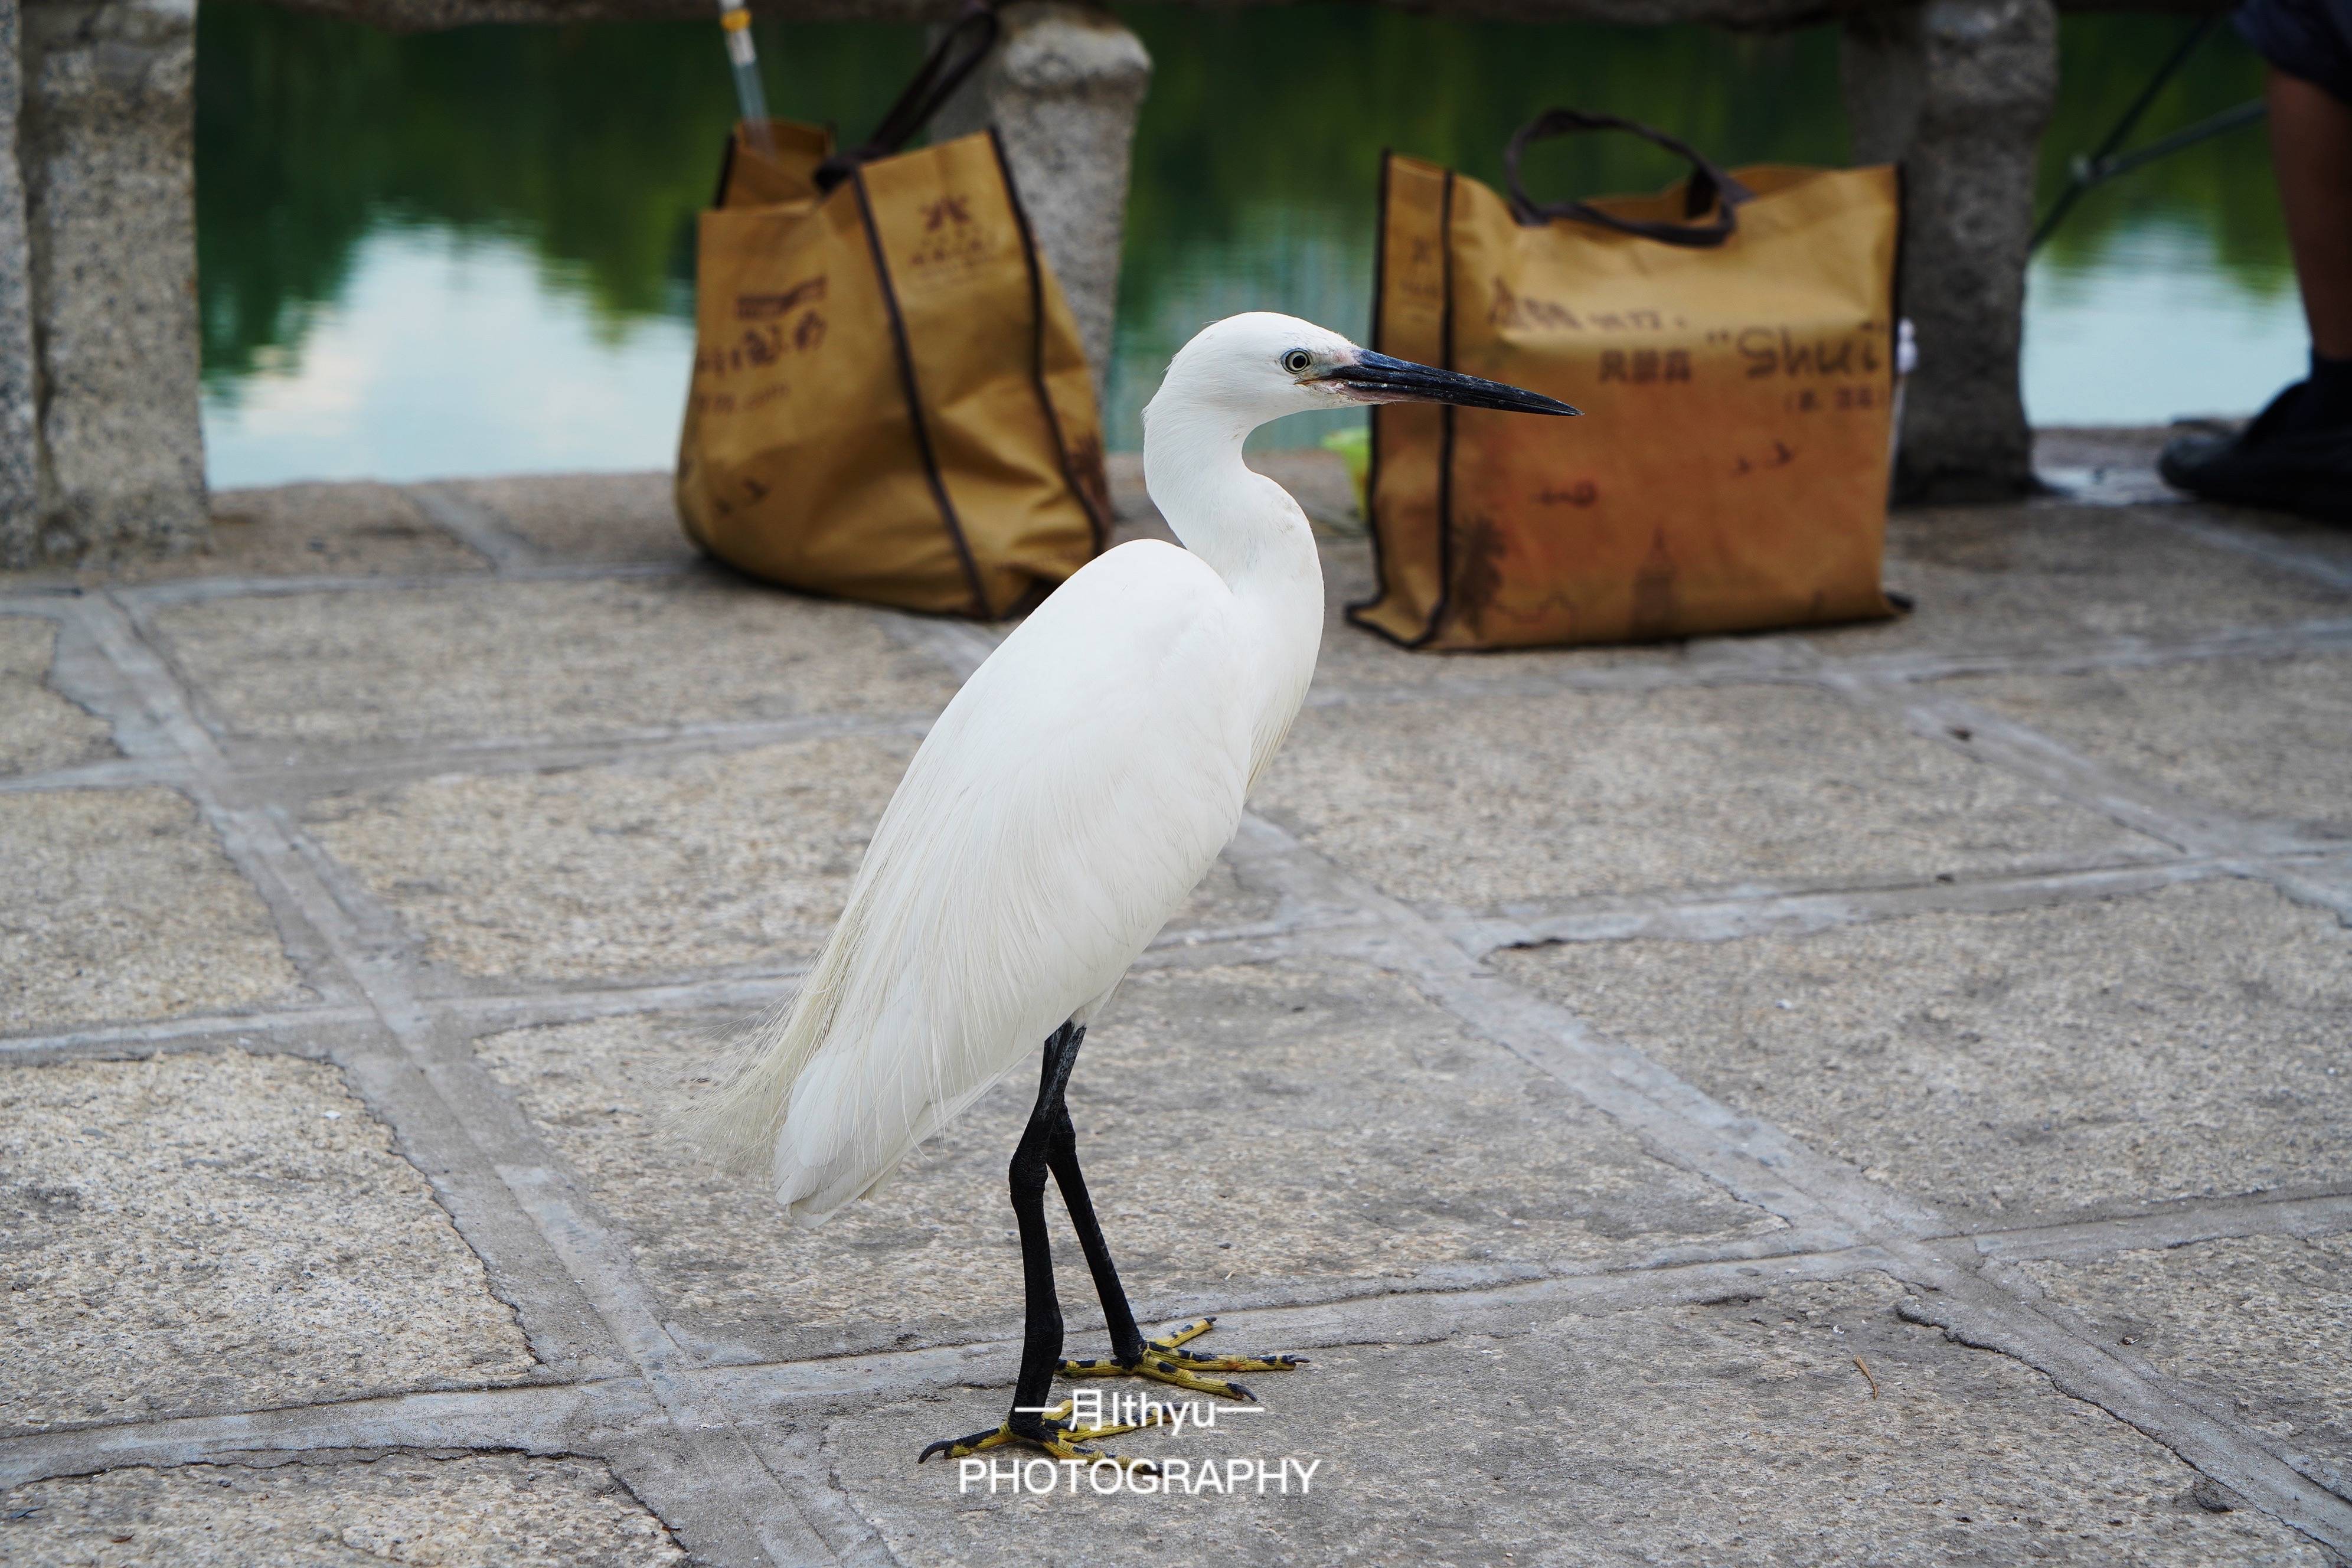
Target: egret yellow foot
(1053,1433)
(1166,1361)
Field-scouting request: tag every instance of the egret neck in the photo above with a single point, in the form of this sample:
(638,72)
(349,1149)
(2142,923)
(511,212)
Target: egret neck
(1252,534)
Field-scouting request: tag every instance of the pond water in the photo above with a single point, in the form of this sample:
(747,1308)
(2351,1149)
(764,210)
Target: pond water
(472,252)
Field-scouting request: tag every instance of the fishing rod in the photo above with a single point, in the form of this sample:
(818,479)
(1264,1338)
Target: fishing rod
(2104,164)
(751,97)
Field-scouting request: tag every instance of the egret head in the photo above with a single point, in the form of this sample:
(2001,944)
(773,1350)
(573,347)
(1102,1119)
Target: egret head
(1260,366)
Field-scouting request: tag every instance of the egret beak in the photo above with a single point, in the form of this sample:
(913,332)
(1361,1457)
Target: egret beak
(1376,378)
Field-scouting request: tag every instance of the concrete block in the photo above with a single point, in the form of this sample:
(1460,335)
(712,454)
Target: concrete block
(586,517)
(2260,1326)
(348,530)
(550,875)
(492,660)
(2269,738)
(1468,801)
(39,729)
(335,530)
(119,905)
(229,1232)
(2046,1064)
(2025,579)
(477,1510)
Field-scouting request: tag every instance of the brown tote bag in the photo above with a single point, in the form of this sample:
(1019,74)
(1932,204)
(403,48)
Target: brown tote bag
(889,400)
(1732,343)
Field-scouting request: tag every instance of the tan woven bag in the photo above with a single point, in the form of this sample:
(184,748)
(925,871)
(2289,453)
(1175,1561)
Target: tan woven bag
(889,400)
(1733,340)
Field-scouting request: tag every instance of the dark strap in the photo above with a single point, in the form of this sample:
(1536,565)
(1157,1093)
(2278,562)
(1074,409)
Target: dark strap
(953,58)
(1709,186)
(726,170)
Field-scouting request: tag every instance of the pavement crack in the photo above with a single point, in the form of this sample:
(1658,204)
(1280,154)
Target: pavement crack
(1983,1316)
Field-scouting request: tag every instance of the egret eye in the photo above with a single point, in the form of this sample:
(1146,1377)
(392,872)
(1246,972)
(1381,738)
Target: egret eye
(1296,361)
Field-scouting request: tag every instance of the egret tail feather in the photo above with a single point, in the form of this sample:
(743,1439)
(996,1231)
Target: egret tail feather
(736,1117)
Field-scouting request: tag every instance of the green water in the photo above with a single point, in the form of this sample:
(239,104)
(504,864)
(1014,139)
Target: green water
(470,251)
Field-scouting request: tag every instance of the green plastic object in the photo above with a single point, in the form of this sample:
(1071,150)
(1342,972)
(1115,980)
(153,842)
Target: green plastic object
(1355,447)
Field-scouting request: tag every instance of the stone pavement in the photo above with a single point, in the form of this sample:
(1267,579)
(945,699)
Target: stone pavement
(1877,1096)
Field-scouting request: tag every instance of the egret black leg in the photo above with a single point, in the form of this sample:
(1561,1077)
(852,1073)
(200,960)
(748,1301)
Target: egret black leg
(1041,1337)
(1049,1144)
(1162,1360)
(1062,1157)
(1041,1340)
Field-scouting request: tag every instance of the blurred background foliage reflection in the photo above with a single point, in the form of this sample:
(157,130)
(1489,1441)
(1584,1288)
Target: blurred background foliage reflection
(590,148)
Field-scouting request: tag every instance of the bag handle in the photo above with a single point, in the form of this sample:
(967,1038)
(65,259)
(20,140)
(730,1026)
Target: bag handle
(1709,186)
(952,59)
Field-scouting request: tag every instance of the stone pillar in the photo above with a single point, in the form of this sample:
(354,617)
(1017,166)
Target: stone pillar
(1958,91)
(19,390)
(105,146)
(1063,90)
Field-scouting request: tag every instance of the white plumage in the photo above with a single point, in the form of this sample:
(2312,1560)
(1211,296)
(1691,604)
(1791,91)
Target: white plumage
(1069,797)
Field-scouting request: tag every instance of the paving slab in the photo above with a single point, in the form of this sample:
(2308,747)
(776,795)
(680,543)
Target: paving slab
(2261,1325)
(218,1232)
(687,866)
(2267,737)
(508,659)
(1250,1133)
(2120,449)
(2020,579)
(703,863)
(362,529)
(222,1232)
(1738,1432)
(488,1510)
(39,728)
(2322,549)
(338,530)
(2051,1062)
(585,517)
(1471,801)
(119,904)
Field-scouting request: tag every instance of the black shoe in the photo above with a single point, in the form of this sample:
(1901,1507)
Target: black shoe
(2275,461)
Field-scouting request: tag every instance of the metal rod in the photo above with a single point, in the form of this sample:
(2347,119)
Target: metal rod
(2164,73)
(2102,163)
(2228,120)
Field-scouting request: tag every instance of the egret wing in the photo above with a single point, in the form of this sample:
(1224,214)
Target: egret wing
(1064,806)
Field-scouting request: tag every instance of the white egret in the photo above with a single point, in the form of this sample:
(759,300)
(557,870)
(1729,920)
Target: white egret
(1063,806)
